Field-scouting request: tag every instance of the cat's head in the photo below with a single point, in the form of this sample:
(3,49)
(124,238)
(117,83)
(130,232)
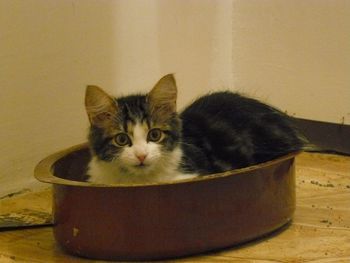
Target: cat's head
(139,133)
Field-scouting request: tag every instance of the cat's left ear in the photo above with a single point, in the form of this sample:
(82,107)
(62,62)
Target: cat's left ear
(162,98)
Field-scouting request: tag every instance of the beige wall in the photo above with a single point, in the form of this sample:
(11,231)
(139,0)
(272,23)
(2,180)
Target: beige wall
(293,54)
(49,51)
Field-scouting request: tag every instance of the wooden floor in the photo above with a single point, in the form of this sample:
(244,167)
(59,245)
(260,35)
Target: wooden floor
(320,231)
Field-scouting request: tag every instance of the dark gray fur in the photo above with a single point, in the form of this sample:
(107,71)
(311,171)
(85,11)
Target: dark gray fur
(218,132)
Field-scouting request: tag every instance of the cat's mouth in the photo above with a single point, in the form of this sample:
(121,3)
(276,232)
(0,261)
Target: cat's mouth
(141,165)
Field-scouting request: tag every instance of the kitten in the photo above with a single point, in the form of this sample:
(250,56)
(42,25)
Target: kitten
(141,139)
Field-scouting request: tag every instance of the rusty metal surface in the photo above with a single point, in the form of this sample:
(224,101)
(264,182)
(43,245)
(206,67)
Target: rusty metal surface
(25,218)
(25,208)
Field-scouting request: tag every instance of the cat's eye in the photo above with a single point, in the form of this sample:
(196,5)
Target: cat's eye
(154,135)
(122,139)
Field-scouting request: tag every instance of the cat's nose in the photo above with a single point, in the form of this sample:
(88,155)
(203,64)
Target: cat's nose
(141,157)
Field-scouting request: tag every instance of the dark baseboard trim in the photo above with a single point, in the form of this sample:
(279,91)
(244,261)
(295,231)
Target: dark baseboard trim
(329,137)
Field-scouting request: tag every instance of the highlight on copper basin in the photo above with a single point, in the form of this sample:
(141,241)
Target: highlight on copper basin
(158,221)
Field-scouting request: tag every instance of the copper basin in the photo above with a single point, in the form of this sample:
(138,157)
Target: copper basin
(158,221)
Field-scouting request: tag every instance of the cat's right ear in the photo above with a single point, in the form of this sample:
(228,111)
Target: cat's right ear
(162,98)
(100,107)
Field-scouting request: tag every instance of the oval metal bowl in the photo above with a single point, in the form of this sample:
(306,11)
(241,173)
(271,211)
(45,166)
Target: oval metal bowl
(144,222)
